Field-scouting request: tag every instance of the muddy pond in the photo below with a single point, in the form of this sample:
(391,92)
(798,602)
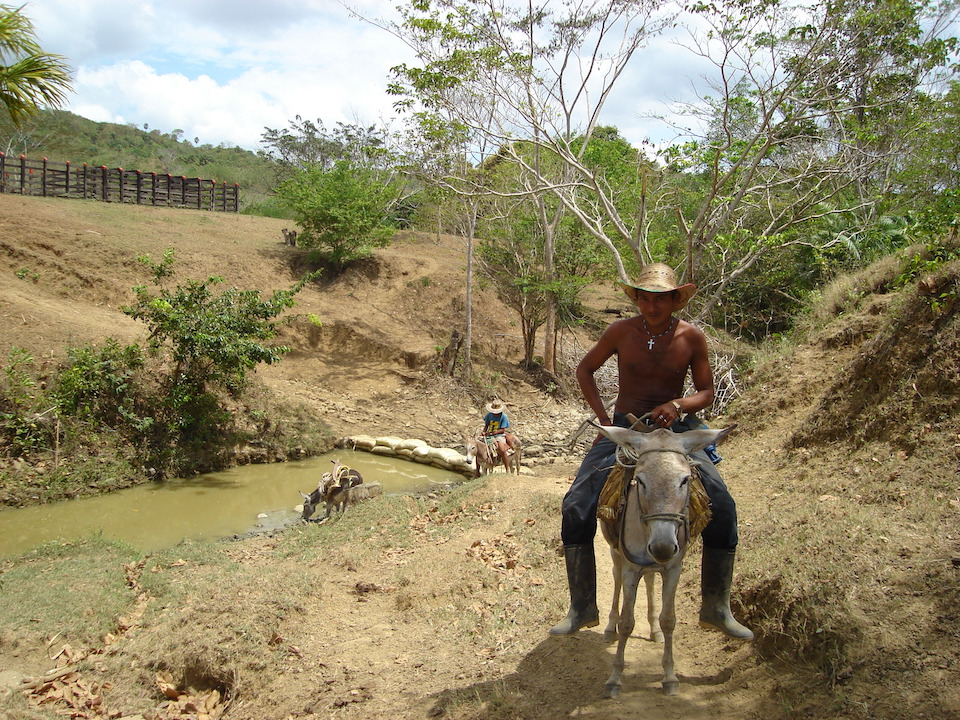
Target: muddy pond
(206,507)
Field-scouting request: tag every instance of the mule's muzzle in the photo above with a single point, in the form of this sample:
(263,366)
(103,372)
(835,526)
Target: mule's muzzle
(663,551)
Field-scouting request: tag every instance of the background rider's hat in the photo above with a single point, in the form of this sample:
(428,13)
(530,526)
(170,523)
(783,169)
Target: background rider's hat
(495,407)
(658,277)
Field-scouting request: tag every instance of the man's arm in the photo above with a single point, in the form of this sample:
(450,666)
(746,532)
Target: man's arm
(701,373)
(591,362)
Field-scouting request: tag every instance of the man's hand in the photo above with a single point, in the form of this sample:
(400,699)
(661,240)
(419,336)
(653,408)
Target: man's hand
(665,415)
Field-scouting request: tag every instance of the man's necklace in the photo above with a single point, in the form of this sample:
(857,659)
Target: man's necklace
(654,337)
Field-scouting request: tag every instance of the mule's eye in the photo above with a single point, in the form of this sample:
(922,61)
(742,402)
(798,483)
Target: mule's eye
(685,480)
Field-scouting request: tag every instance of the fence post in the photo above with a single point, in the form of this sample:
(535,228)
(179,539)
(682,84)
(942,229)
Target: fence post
(103,184)
(66,182)
(23,173)
(139,185)
(153,189)
(43,179)
(3,172)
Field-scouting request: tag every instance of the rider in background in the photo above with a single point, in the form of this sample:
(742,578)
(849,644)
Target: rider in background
(496,425)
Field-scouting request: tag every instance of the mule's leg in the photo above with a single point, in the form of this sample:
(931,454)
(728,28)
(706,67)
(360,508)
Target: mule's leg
(610,632)
(653,617)
(630,579)
(502,449)
(668,621)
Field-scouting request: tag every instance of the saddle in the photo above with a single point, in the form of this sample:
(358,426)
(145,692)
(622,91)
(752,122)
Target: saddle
(613,498)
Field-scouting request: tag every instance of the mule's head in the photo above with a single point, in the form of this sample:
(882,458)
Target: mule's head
(310,503)
(470,445)
(655,523)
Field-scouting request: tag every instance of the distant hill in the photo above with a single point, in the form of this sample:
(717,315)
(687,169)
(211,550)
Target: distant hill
(64,136)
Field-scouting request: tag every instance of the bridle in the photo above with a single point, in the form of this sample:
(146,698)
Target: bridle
(628,458)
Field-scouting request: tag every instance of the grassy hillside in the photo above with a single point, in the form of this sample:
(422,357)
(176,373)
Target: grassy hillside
(62,136)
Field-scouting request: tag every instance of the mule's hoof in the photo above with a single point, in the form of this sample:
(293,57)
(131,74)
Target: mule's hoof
(613,691)
(670,688)
(610,636)
(657,637)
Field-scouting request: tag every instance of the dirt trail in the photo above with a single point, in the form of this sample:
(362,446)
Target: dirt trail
(371,661)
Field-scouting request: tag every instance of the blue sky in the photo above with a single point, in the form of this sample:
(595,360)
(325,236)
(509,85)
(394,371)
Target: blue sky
(223,70)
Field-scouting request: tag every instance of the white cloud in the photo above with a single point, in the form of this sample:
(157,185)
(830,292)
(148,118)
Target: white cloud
(222,70)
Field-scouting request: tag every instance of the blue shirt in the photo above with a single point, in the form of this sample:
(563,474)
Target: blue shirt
(495,423)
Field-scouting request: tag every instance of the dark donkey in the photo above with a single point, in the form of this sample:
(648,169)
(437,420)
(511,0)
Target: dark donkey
(333,490)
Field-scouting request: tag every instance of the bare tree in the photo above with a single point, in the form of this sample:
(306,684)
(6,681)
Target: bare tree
(773,146)
(544,77)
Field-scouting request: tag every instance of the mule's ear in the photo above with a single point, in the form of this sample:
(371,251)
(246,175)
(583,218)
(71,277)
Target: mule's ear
(694,440)
(620,435)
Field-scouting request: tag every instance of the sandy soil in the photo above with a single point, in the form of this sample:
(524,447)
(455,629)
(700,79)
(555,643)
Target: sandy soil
(370,368)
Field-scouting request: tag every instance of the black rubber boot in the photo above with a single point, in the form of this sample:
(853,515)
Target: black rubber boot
(582,579)
(716,578)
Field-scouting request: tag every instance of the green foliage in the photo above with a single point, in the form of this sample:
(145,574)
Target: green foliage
(28,274)
(344,210)
(205,343)
(209,339)
(927,260)
(24,421)
(29,77)
(512,260)
(100,384)
(306,143)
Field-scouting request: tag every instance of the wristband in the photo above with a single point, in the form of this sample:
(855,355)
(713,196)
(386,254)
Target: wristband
(677,406)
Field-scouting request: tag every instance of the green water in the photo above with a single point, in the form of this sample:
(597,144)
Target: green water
(243,499)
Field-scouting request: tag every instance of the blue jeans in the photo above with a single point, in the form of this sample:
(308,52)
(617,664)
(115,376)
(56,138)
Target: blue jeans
(579,510)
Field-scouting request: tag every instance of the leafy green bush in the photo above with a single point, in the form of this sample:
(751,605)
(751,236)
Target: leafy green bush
(24,421)
(164,407)
(204,343)
(344,210)
(100,383)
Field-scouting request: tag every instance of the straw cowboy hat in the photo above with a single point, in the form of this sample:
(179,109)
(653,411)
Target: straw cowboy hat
(658,278)
(495,406)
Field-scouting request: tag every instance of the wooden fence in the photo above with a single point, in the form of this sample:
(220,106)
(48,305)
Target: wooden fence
(53,179)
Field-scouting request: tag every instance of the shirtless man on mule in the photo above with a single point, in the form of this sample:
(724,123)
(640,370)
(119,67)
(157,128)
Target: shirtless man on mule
(654,350)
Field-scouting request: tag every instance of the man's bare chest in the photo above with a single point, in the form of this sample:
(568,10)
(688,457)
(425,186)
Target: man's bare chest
(640,354)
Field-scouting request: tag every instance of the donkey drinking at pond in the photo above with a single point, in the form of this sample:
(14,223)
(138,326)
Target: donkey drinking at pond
(650,533)
(334,490)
